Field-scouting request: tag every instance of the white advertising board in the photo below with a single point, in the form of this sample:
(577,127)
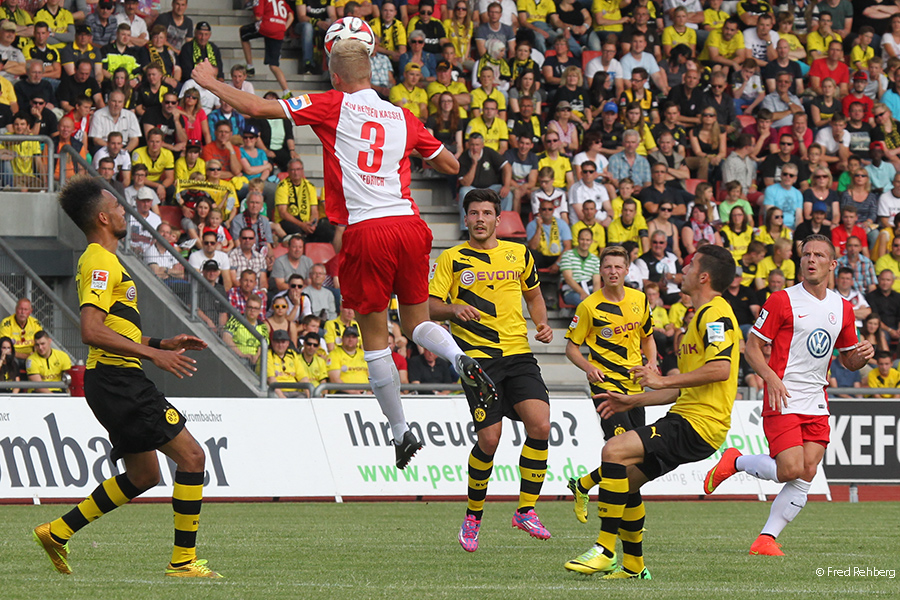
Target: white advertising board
(331,447)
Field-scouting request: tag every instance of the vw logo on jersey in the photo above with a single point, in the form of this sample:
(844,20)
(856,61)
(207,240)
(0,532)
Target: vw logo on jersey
(819,343)
(467,277)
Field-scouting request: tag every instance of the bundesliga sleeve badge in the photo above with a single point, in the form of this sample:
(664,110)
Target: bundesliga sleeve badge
(99,279)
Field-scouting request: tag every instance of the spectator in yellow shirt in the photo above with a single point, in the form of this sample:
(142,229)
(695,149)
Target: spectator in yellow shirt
(347,363)
(46,363)
(21,328)
(884,376)
(409,95)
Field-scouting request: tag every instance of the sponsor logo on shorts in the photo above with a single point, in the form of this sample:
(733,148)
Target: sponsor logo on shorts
(99,279)
(172,417)
(619,430)
(131,294)
(480,415)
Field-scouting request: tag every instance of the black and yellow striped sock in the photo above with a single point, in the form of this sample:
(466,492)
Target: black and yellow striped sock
(631,532)
(480,467)
(111,494)
(187,499)
(533,469)
(611,504)
(586,483)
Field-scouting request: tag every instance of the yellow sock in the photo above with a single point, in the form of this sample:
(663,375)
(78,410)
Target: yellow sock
(187,499)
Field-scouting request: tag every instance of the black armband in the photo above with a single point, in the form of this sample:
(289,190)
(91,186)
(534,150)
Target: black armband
(155,343)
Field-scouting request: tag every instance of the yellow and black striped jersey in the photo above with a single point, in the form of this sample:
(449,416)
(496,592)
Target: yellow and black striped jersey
(104,283)
(491,281)
(613,332)
(712,335)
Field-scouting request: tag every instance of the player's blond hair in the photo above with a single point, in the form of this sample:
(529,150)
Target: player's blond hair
(350,61)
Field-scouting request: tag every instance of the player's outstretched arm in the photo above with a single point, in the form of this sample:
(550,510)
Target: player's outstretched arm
(573,353)
(244,102)
(537,308)
(444,311)
(857,357)
(614,402)
(648,377)
(753,352)
(444,162)
(94,332)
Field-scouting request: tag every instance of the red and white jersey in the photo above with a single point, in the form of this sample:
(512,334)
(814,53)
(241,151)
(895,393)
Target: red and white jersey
(366,146)
(804,331)
(273,17)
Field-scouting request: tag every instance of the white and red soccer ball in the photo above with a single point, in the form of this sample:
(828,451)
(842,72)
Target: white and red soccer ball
(350,28)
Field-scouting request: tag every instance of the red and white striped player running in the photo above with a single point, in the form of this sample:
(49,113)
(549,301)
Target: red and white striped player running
(384,245)
(804,324)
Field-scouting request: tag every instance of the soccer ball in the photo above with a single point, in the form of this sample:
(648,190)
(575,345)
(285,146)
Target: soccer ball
(350,28)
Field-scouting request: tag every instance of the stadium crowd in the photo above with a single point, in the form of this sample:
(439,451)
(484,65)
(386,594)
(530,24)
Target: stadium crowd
(661,127)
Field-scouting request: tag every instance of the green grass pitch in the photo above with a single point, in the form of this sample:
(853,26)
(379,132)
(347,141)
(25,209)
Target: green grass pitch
(409,551)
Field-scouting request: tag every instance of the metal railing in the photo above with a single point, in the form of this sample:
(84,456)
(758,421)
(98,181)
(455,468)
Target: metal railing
(187,291)
(6,386)
(55,316)
(321,390)
(21,168)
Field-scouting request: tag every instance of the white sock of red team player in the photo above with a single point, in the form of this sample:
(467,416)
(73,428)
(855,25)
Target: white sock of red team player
(761,466)
(385,381)
(432,336)
(787,505)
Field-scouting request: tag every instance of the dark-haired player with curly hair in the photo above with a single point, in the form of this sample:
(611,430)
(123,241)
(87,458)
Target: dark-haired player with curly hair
(136,415)
(696,425)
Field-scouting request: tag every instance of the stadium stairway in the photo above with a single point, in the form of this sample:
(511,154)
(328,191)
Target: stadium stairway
(43,235)
(431,193)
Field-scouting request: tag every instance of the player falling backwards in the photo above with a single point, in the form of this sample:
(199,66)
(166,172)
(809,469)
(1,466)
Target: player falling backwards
(804,324)
(616,324)
(137,416)
(384,245)
(693,429)
(479,286)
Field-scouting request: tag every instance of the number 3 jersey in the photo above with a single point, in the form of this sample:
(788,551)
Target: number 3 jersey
(804,332)
(366,146)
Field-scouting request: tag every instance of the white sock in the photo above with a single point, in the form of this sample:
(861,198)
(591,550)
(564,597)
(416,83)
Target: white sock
(787,505)
(432,336)
(250,65)
(385,382)
(760,466)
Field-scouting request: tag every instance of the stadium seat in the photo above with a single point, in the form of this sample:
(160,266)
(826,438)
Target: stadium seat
(282,176)
(510,227)
(171,215)
(691,185)
(755,198)
(587,56)
(746,120)
(563,303)
(279,250)
(320,252)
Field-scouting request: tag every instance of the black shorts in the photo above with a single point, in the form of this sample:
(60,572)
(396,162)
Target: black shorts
(517,378)
(619,423)
(250,31)
(670,443)
(136,415)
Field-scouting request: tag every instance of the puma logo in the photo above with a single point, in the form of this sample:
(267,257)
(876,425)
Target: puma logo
(653,433)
